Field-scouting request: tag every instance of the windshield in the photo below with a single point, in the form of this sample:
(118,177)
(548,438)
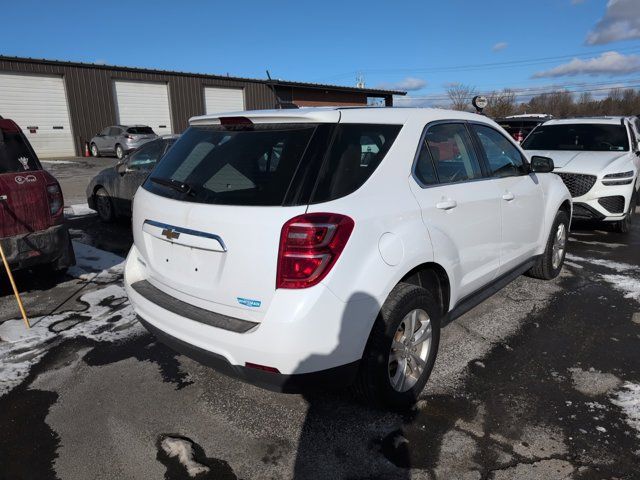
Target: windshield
(588,137)
(15,154)
(271,164)
(140,131)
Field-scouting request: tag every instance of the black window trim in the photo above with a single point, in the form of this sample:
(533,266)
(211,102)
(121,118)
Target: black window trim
(483,167)
(483,154)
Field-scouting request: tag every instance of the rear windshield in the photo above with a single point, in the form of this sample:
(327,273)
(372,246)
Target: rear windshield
(140,131)
(588,137)
(271,164)
(15,154)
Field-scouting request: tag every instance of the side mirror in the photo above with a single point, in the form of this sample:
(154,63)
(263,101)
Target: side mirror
(541,164)
(121,167)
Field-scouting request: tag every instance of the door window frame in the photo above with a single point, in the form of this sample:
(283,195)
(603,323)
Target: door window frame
(478,150)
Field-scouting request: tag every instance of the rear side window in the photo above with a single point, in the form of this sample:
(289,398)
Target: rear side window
(146,156)
(451,151)
(140,131)
(15,154)
(503,157)
(114,131)
(355,153)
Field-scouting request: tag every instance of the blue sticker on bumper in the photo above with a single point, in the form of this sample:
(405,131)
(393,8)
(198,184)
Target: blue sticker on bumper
(247,302)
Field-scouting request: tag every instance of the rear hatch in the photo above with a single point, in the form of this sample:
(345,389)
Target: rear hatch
(208,220)
(25,204)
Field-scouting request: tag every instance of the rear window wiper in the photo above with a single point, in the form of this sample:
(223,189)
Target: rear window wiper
(181,187)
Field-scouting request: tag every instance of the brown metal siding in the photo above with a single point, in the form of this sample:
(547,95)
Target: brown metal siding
(92,105)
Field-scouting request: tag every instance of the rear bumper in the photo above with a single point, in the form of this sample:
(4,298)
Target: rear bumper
(306,335)
(333,378)
(50,246)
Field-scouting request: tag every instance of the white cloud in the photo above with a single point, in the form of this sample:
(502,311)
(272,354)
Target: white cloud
(609,63)
(621,21)
(408,84)
(500,46)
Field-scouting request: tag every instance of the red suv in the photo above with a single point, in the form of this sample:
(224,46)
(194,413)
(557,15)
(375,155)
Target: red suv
(32,229)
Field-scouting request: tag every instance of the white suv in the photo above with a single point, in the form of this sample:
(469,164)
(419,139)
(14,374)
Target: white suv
(598,159)
(300,248)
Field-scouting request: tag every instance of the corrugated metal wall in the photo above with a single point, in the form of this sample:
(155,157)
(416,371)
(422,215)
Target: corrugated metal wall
(91,99)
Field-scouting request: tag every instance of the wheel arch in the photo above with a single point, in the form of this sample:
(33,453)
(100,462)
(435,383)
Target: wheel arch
(433,277)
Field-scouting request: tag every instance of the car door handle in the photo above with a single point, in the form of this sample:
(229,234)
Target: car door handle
(447,204)
(508,196)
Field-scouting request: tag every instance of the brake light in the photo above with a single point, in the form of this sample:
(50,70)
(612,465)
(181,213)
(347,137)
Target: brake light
(54,195)
(310,244)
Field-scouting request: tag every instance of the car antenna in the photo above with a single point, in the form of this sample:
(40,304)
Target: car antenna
(279,103)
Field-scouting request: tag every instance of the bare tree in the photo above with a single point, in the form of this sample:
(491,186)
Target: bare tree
(460,96)
(501,104)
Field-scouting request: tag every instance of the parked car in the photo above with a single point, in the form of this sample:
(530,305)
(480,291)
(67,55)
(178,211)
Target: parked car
(32,229)
(111,191)
(519,126)
(120,140)
(598,160)
(309,247)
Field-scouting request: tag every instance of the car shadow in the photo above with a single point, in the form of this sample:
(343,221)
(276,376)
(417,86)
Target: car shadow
(342,437)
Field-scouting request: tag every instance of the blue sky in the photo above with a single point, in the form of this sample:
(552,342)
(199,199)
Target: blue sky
(423,45)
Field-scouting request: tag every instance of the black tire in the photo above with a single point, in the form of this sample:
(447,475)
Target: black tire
(624,225)
(104,205)
(544,268)
(374,383)
(119,152)
(94,150)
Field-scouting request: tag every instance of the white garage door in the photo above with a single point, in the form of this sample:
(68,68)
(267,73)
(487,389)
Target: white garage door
(140,103)
(38,104)
(218,100)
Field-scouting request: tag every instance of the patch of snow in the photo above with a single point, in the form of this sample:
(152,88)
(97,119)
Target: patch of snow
(78,210)
(601,429)
(93,264)
(628,285)
(571,264)
(108,317)
(618,266)
(628,399)
(183,449)
(603,244)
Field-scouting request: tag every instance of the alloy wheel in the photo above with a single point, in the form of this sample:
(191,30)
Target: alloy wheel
(559,245)
(410,349)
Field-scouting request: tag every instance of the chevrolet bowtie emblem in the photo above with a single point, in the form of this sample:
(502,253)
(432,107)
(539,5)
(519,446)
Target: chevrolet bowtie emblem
(170,233)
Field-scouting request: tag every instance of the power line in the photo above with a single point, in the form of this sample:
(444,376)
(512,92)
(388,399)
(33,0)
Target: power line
(488,66)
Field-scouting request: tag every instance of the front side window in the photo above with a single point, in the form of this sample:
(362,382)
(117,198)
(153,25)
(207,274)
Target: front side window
(146,156)
(451,151)
(503,157)
(106,131)
(591,137)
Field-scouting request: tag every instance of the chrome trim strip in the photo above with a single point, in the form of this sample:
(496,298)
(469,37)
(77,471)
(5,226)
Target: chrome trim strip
(188,231)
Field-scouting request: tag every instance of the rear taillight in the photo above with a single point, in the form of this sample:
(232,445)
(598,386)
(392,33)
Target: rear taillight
(54,194)
(310,244)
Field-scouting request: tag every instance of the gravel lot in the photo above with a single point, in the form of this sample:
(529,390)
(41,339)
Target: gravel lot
(541,381)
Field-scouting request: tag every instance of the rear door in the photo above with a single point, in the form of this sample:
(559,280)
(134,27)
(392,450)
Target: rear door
(460,207)
(521,197)
(213,238)
(24,205)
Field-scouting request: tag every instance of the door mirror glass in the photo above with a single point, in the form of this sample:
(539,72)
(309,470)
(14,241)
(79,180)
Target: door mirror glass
(541,164)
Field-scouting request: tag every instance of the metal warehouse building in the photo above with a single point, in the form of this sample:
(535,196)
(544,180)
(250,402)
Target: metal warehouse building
(60,105)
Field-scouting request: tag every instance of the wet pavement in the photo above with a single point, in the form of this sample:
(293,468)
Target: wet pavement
(541,381)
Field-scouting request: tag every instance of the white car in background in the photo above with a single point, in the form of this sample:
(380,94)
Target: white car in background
(598,159)
(325,247)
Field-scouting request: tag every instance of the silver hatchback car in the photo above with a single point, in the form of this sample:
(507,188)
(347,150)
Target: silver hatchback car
(120,140)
